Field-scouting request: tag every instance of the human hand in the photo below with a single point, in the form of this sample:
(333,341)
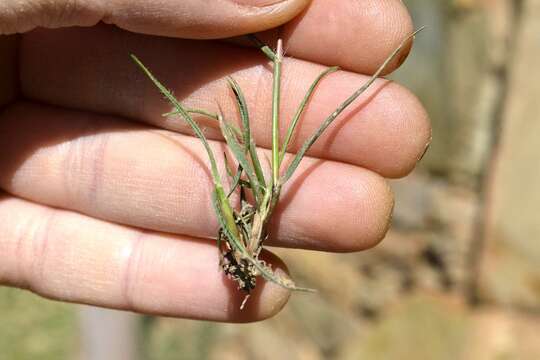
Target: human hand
(107,203)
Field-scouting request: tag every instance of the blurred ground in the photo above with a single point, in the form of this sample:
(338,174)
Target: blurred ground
(458,275)
(34,328)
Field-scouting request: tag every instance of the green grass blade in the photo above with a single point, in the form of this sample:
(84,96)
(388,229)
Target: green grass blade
(240,156)
(309,142)
(208,114)
(227,167)
(194,111)
(242,108)
(276,95)
(235,178)
(227,222)
(218,187)
(180,109)
(249,143)
(235,181)
(301,109)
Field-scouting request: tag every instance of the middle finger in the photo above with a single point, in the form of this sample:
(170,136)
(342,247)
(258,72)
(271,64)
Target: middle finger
(386,130)
(133,174)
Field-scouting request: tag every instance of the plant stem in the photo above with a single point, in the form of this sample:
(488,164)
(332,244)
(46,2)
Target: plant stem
(275,111)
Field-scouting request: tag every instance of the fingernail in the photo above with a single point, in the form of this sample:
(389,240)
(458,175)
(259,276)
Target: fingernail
(258,3)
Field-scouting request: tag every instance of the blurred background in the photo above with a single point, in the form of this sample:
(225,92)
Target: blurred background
(458,276)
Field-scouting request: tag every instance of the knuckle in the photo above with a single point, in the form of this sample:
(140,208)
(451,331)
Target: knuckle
(131,273)
(84,164)
(33,245)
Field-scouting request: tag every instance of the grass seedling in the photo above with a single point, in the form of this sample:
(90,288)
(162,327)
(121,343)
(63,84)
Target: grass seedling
(243,230)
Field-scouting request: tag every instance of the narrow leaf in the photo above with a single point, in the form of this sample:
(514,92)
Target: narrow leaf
(227,223)
(276,96)
(309,142)
(249,143)
(235,181)
(235,178)
(194,111)
(224,203)
(240,155)
(180,109)
(208,114)
(301,109)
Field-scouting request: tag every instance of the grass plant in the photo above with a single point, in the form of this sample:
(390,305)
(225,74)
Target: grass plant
(244,229)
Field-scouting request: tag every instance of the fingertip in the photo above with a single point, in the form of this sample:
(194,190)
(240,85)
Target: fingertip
(392,32)
(371,207)
(274,297)
(267,300)
(416,133)
(365,35)
(382,205)
(399,128)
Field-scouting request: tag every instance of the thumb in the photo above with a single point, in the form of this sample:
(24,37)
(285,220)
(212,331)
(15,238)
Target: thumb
(197,19)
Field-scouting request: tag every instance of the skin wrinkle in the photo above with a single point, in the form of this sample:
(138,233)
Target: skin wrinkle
(39,254)
(27,230)
(21,236)
(131,269)
(85,158)
(98,145)
(19,239)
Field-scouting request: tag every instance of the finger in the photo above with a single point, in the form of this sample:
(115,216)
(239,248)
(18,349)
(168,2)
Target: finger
(159,180)
(356,35)
(70,257)
(186,18)
(386,130)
